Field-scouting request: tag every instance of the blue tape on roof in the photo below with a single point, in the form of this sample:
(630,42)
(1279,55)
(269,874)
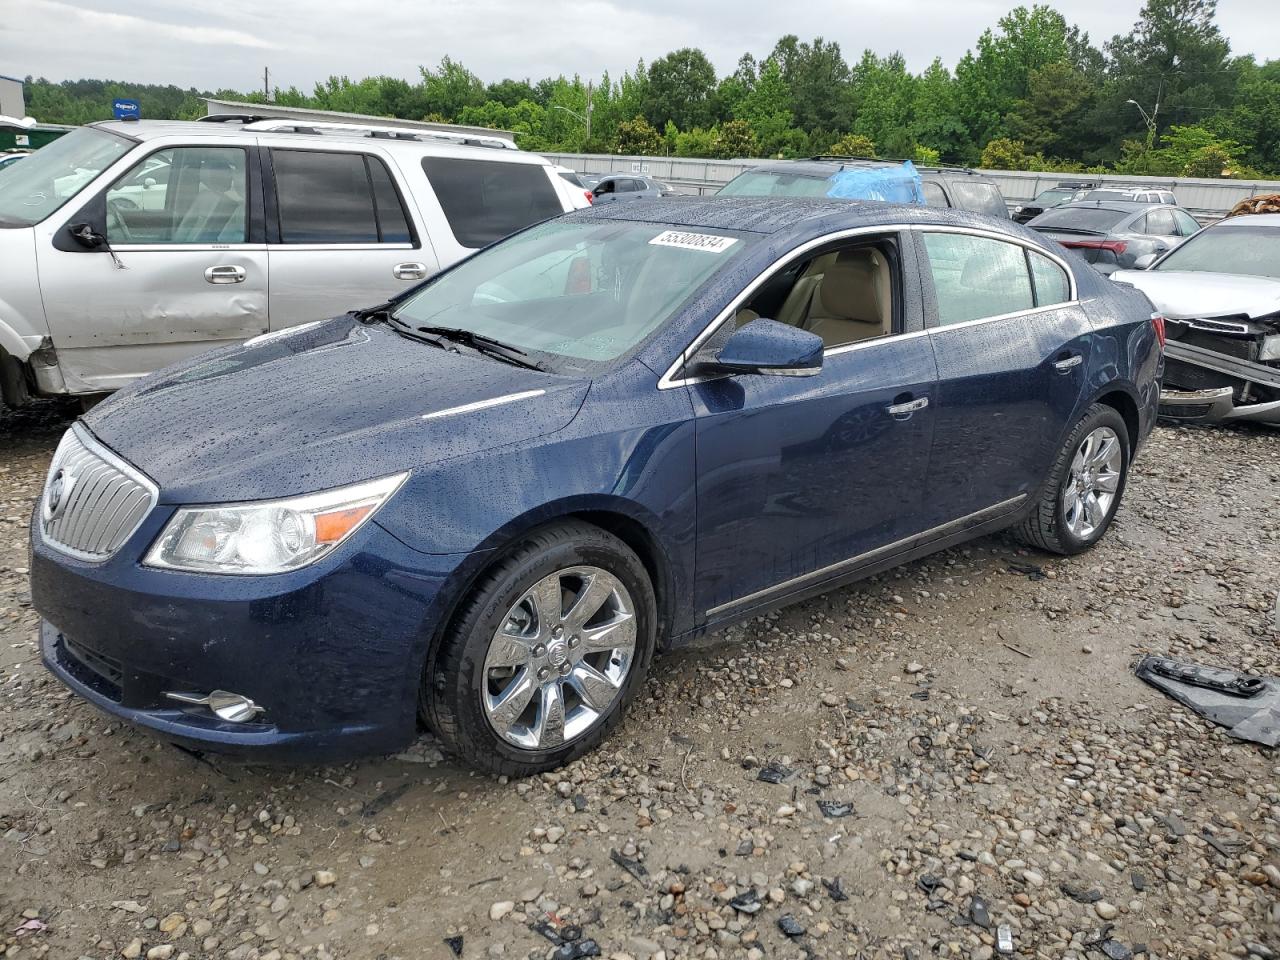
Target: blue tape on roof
(894,184)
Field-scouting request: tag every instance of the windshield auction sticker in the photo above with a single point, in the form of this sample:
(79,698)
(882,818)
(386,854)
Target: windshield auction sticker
(706,242)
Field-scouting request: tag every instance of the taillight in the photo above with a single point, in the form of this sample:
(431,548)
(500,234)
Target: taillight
(1115,246)
(1157,322)
(591,197)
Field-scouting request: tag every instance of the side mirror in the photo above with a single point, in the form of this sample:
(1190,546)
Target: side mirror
(86,236)
(770,348)
(148,183)
(1145,261)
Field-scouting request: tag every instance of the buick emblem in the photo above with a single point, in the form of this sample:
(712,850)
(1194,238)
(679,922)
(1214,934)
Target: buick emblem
(56,497)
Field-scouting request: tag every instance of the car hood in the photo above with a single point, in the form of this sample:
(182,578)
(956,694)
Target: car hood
(1187,295)
(321,406)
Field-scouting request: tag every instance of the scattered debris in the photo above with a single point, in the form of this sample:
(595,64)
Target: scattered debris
(746,902)
(835,887)
(633,867)
(979,912)
(34,925)
(1004,939)
(1248,706)
(384,800)
(454,944)
(1138,880)
(773,772)
(1029,570)
(790,926)
(1018,650)
(1112,949)
(1081,894)
(835,809)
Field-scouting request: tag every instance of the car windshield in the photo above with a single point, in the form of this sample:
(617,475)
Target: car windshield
(1050,197)
(1086,219)
(775,184)
(48,178)
(579,291)
(1229,248)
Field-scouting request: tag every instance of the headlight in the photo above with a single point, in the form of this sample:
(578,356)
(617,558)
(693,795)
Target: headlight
(1017,209)
(269,536)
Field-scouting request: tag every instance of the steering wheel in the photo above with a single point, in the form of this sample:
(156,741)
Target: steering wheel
(115,220)
(500,294)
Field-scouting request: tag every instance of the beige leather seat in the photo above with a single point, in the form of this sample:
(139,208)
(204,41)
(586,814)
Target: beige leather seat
(851,300)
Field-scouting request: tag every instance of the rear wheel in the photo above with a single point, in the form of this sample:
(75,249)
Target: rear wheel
(1085,486)
(545,653)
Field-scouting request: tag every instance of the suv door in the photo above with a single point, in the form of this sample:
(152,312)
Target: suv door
(800,478)
(340,235)
(1012,350)
(189,270)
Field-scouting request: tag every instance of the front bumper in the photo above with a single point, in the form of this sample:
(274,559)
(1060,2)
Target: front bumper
(1214,406)
(333,652)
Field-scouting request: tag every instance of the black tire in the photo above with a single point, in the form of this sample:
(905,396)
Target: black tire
(450,698)
(1045,527)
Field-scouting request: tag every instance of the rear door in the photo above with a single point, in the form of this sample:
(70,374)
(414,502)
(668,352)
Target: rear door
(340,233)
(189,271)
(1012,347)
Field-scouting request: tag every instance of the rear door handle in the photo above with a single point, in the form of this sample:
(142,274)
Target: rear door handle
(411,270)
(904,410)
(1067,364)
(224,273)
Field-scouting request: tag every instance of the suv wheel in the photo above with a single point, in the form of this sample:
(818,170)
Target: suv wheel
(1084,487)
(545,654)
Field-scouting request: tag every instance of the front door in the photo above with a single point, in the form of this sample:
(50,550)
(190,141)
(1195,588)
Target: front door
(800,474)
(187,276)
(1012,349)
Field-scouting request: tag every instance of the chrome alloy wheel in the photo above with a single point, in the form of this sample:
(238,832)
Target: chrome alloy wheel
(1090,490)
(560,658)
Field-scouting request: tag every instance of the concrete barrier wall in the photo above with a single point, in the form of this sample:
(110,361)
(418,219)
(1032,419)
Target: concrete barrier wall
(1208,198)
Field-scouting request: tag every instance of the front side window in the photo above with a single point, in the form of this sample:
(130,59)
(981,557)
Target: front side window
(486,200)
(1187,224)
(336,198)
(181,195)
(976,277)
(45,180)
(578,292)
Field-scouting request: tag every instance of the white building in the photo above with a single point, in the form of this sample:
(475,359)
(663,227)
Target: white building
(12,103)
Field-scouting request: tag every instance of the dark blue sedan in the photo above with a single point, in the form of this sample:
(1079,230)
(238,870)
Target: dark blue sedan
(486,505)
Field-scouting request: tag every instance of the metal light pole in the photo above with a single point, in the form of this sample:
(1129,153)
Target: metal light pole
(573,113)
(1150,120)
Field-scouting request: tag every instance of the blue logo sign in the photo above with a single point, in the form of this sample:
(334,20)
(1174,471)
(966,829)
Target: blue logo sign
(126,109)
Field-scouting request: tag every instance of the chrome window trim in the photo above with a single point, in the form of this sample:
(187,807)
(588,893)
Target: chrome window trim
(90,443)
(669,380)
(977,518)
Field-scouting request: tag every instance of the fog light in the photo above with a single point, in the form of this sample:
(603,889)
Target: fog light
(225,705)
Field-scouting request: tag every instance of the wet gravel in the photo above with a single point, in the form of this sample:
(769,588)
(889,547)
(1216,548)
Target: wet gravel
(896,769)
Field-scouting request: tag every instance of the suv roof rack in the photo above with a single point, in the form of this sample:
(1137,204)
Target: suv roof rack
(232,118)
(319,127)
(940,167)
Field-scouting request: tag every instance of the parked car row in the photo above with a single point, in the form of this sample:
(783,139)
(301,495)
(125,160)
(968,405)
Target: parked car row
(1116,234)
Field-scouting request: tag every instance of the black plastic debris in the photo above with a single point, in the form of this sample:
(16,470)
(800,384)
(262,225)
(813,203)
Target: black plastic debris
(835,809)
(1228,847)
(1081,894)
(835,887)
(790,926)
(575,950)
(746,902)
(548,931)
(773,772)
(571,932)
(928,884)
(1171,822)
(980,913)
(579,803)
(1139,881)
(1109,948)
(633,867)
(1030,570)
(1249,707)
(454,944)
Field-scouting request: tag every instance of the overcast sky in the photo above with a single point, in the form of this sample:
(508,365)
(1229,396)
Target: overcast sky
(226,44)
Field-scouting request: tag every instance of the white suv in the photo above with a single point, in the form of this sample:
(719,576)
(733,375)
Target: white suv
(130,245)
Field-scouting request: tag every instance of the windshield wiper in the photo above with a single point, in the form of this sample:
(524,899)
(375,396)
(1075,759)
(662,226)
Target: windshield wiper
(482,344)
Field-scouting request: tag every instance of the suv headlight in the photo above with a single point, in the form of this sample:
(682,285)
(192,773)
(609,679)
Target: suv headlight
(268,536)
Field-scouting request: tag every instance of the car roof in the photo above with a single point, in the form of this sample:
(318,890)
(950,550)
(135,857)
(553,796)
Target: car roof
(1118,205)
(804,217)
(1251,220)
(146,130)
(820,168)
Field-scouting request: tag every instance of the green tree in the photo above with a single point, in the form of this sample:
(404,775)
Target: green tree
(1005,154)
(817,79)
(450,88)
(637,137)
(1054,115)
(853,145)
(681,89)
(883,94)
(935,114)
(734,138)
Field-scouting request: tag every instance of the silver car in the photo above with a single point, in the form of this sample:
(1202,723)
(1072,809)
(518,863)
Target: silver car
(1220,296)
(128,246)
(1113,234)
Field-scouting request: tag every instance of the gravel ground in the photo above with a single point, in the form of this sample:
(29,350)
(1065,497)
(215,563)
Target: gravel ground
(965,727)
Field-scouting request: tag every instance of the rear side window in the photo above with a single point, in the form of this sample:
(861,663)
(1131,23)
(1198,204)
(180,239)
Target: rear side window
(336,198)
(1187,224)
(1051,283)
(1088,219)
(934,195)
(979,197)
(1160,224)
(486,200)
(976,277)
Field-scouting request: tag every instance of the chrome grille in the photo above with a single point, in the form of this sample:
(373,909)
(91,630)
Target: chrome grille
(93,501)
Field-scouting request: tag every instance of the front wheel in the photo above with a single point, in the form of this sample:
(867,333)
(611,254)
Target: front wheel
(1083,491)
(545,653)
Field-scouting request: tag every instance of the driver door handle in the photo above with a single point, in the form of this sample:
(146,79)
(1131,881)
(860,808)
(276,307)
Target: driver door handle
(1066,364)
(224,273)
(905,409)
(409,271)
